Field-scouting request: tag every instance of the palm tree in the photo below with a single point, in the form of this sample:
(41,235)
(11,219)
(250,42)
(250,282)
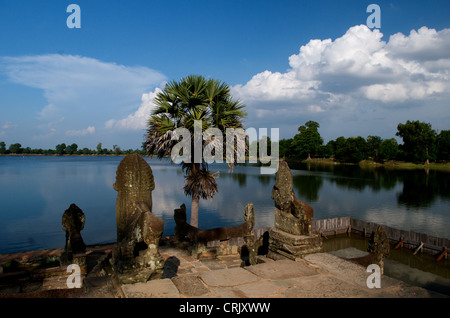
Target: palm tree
(179,105)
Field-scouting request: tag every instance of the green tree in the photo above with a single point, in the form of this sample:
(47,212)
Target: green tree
(389,149)
(331,148)
(351,150)
(72,149)
(2,147)
(116,149)
(326,151)
(178,106)
(15,148)
(419,141)
(307,142)
(27,150)
(373,147)
(86,151)
(264,143)
(443,145)
(60,149)
(285,148)
(99,148)
(337,145)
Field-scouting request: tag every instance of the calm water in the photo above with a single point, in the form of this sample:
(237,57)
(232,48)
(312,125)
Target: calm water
(35,191)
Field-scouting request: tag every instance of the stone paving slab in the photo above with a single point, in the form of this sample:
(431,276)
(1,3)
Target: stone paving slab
(352,272)
(324,286)
(228,277)
(160,288)
(282,269)
(190,286)
(357,275)
(320,275)
(260,289)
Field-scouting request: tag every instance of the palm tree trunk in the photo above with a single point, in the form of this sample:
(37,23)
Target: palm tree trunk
(194,210)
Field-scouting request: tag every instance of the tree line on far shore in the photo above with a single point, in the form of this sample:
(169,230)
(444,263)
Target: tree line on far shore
(421,144)
(63,149)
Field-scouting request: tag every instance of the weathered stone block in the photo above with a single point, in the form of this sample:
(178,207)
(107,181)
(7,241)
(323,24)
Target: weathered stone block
(217,241)
(288,223)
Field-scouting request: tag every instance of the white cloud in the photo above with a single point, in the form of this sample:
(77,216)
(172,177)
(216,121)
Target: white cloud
(64,77)
(315,109)
(83,132)
(356,75)
(422,45)
(400,92)
(9,125)
(270,86)
(138,119)
(52,132)
(81,91)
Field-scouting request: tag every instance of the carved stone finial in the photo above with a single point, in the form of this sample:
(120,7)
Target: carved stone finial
(136,257)
(73,221)
(134,183)
(291,215)
(291,236)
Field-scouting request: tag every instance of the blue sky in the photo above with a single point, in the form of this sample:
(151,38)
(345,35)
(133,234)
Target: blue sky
(288,61)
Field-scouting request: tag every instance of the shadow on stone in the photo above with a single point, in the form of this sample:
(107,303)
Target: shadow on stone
(263,249)
(170,267)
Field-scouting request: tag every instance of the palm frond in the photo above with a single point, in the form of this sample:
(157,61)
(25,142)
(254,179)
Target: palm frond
(201,183)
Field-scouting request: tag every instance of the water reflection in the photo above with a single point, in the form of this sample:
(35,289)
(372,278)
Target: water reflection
(420,190)
(419,270)
(35,191)
(307,186)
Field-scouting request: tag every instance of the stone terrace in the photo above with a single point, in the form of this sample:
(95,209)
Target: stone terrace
(319,275)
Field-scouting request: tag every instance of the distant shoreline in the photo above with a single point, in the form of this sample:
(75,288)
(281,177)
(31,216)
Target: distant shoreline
(398,165)
(64,155)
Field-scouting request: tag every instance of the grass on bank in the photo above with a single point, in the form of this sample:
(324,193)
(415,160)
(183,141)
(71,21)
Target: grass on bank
(388,164)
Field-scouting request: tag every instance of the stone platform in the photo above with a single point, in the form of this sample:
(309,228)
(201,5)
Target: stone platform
(319,275)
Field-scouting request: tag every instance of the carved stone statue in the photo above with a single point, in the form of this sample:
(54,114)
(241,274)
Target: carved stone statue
(291,236)
(136,257)
(73,221)
(291,215)
(379,246)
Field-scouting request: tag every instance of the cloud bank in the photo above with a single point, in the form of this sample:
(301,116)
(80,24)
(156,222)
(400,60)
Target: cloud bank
(356,79)
(80,91)
(357,84)
(138,119)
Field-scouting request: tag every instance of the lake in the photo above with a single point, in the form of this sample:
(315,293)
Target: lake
(36,190)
